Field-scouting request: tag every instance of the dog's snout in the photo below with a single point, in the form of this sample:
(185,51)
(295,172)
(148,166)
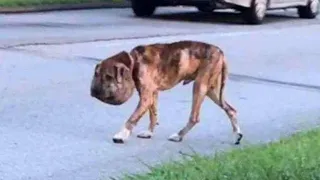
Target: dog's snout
(95,91)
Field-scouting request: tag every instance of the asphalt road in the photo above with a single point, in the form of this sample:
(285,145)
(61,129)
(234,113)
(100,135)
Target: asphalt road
(50,128)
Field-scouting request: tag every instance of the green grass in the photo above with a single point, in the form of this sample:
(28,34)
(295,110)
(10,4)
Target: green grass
(293,158)
(26,3)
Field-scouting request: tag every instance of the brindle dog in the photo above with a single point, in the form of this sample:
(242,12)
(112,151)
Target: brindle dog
(159,67)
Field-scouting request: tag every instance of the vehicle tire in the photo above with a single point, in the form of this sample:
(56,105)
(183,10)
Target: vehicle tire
(256,13)
(206,9)
(143,8)
(309,11)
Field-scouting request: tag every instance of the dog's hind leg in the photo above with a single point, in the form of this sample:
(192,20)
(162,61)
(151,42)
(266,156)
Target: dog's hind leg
(153,112)
(200,89)
(216,94)
(216,91)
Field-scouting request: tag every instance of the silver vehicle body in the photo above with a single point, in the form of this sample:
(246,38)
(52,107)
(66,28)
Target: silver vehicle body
(253,11)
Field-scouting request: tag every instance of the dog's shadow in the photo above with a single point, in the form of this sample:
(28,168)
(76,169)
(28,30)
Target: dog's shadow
(217,17)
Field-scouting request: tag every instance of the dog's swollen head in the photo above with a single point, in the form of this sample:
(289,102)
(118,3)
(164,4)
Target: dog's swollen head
(112,81)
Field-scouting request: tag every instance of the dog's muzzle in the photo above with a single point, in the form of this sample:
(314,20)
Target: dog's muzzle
(95,92)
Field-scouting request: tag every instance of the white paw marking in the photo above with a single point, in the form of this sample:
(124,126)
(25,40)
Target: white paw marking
(145,134)
(122,135)
(175,138)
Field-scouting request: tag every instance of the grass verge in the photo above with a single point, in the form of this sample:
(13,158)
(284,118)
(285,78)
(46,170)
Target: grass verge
(296,157)
(27,3)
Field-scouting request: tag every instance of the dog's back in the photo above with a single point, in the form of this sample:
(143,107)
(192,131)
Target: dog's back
(174,62)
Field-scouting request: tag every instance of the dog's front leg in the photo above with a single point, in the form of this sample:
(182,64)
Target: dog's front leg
(153,112)
(144,104)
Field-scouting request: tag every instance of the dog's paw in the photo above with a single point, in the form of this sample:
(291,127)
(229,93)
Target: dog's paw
(238,138)
(145,135)
(117,140)
(175,138)
(121,136)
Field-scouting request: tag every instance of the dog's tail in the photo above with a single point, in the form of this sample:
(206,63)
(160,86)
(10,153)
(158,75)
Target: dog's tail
(224,74)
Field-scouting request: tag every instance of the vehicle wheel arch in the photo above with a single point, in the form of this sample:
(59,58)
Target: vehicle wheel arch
(267,1)
(307,11)
(252,15)
(143,8)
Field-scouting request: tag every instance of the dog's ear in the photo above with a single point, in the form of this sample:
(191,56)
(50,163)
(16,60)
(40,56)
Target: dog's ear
(119,73)
(97,69)
(125,59)
(140,49)
(137,52)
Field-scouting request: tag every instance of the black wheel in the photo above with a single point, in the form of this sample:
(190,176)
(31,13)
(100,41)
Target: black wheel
(143,8)
(256,13)
(206,9)
(309,11)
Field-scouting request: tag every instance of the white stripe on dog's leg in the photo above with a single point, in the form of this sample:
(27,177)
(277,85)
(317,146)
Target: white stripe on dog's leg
(238,129)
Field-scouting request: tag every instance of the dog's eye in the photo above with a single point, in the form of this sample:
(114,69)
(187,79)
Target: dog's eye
(108,77)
